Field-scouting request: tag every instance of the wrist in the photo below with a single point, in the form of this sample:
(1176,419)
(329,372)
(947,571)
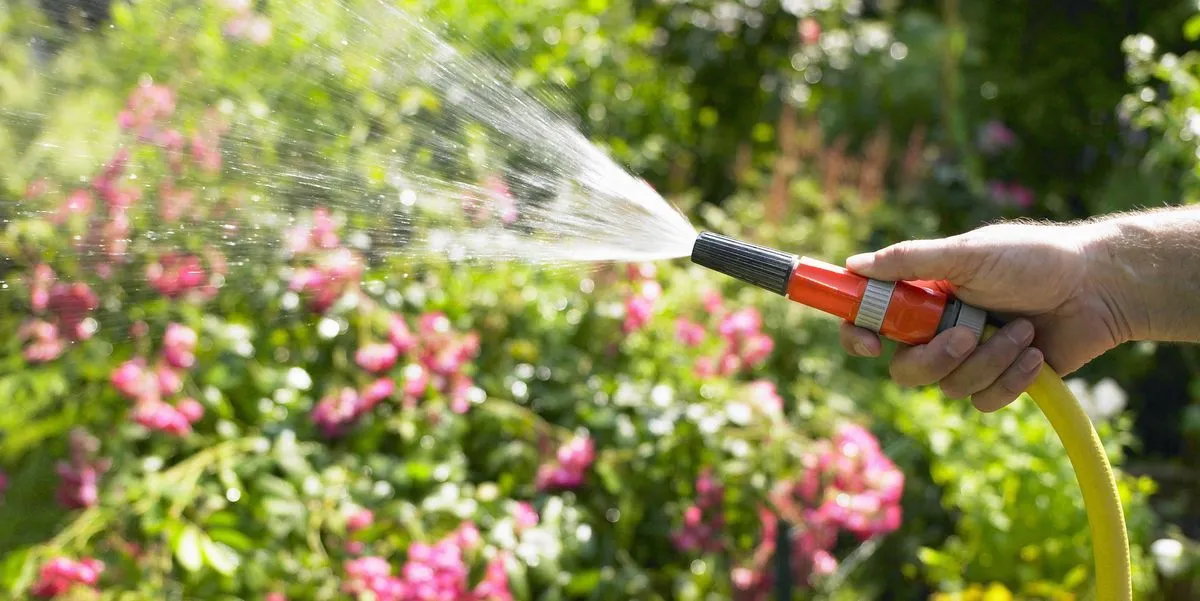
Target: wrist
(1110,286)
(1141,268)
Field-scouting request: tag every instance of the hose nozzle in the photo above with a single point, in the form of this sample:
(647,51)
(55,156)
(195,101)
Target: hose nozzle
(760,266)
(902,311)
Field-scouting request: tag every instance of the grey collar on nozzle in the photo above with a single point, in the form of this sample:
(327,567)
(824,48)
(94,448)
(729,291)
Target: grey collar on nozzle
(766,268)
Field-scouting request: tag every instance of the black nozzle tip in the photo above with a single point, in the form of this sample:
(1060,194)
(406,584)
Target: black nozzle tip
(766,268)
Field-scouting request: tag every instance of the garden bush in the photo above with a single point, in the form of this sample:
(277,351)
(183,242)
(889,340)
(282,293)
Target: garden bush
(233,385)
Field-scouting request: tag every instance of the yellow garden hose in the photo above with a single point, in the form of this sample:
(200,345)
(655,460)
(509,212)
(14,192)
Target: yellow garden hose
(914,313)
(1110,541)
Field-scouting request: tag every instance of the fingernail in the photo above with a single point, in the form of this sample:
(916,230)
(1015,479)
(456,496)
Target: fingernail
(1021,332)
(961,342)
(860,348)
(860,261)
(1031,359)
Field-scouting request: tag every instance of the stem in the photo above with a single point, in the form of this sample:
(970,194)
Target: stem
(956,42)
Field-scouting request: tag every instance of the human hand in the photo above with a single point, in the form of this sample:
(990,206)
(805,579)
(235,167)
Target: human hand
(1050,280)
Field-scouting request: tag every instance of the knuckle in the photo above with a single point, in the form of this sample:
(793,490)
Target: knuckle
(953,390)
(902,373)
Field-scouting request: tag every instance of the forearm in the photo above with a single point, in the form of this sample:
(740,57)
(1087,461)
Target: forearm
(1148,269)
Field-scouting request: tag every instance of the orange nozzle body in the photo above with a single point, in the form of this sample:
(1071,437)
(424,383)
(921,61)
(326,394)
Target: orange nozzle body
(912,316)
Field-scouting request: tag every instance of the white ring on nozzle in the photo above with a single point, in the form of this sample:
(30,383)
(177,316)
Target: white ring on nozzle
(971,317)
(874,305)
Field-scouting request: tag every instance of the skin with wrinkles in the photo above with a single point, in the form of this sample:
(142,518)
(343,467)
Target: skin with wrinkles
(1071,292)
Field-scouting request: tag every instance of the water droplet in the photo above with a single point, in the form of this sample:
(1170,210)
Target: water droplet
(232,495)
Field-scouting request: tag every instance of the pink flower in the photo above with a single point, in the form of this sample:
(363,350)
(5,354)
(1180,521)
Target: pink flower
(688,332)
(810,31)
(400,336)
(44,343)
(1011,194)
(169,381)
(174,203)
(59,575)
(467,535)
(376,357)
(494,586)
(337,272)
(460,389)
(436,572)
(39,287)
(416,381)
(502,199)
(275,596)
(320,234)
(71,303)
(206,152)
(130,379)
(190,409)
(37,188)
(757,348)
(703,521)
(1021,196)
(79,202)
(854,440)
(179,342)
(250,26)
(172,141)
(578,453)
(638,310)
(174,275)
(764,396)
(156,415)
(336,411)
(743,322)
(524,515)
(572,461)
(374,575)
(994,137)
(377,391)
(147,107)
(729,364)
(705,367)
(360,519)
(79,477)
(433,324)
(823,563)
(713,304)
(324,230)
(641,271)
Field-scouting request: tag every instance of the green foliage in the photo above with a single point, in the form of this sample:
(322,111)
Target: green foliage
(256,500)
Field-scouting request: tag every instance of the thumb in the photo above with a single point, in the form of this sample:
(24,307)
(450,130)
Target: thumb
(913,260)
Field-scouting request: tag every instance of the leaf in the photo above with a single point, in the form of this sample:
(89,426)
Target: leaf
(220,557)
(16,567)
(1191,29)
(234,538)
(583,582)
(187,549)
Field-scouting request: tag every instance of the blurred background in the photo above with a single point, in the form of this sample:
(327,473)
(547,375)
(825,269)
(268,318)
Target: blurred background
(200,404)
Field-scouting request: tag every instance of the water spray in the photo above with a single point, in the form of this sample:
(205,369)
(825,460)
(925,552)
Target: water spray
(913,313)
